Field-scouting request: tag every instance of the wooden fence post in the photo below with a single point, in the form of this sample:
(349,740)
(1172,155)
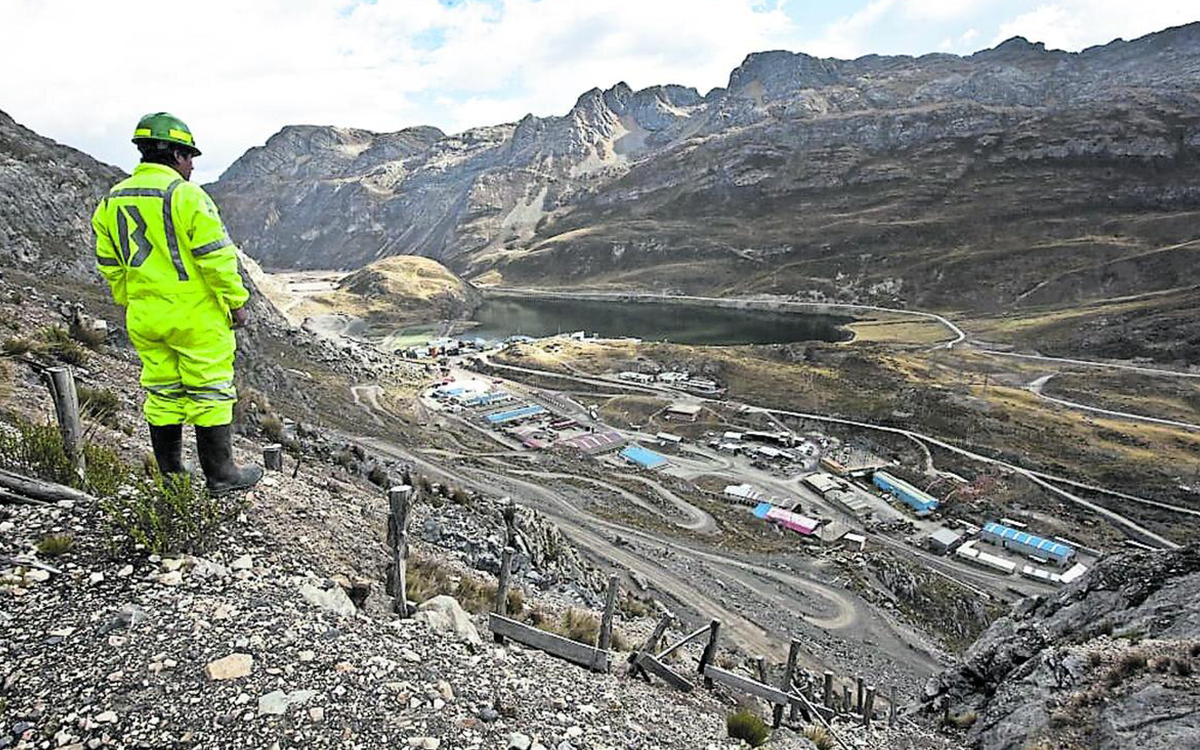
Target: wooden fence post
(66,408)
(604,640)
(859,705)
(789,674)
(827,694)
(710,651)
(400,503)
(273,457)
(847,702)
(869,706)
(892,706)
(501,607)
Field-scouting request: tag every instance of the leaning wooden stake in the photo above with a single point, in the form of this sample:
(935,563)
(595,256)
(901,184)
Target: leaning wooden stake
(273,457)
(869,707)
(892,706)
(66,407)
(789,675)
(400,502)
(649,647)
(710,651)
(501,607)
(604,640)
(827,694)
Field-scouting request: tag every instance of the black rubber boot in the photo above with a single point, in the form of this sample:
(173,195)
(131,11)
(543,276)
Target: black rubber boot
(167,441)
(214,444)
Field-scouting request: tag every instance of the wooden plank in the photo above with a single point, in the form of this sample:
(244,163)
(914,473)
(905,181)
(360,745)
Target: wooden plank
(556,645)
(664,673)
(746,685)
(682,642)
(66,407)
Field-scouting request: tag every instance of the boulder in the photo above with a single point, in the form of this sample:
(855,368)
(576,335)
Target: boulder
(443,614)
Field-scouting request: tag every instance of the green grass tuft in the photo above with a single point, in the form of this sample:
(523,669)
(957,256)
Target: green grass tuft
(746,725)
(53,545)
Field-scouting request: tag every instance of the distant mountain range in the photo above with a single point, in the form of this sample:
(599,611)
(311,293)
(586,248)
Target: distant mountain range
(1016,176)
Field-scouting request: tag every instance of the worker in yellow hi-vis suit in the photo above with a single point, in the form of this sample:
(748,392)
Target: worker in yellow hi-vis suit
(164,251)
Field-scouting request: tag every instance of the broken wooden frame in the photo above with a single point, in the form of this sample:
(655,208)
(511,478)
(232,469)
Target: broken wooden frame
(596,658)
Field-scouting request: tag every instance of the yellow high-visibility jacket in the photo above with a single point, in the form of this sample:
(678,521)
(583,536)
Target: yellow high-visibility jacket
(159,237)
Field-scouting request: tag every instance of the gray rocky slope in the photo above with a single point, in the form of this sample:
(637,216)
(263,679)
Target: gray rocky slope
(1109,662)
(1018,175)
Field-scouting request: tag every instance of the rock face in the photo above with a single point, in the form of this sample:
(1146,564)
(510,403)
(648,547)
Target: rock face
(47,194)
(1017,175)
(1108,662)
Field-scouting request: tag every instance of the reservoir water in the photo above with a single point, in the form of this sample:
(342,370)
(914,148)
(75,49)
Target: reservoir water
(680,324)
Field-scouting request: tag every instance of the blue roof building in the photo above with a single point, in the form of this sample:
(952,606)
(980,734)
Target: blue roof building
(922,502)
(642,457)
(1026,543)
(514,414)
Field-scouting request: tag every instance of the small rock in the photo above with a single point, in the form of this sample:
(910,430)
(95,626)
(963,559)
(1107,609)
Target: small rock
(6,526)
(126,571)
(108,717)
(410,655)
(37,575)
(316,714)
(174,578)
(307,655)
(230,667)
(245,562)
(172,564)
(95,578)
(518,741)
(426,743)
(332,600)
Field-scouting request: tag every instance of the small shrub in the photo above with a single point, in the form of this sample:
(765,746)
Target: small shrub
(460,497)
(819,736)
(105,473)
(1160,664)
(99,405)
(63,347)
(53,545)
(580,626)
(36,450)
(1130,663)
(272,428)
(1181,667)
(744,724)
(1194,649)
(168,514)
(16,346)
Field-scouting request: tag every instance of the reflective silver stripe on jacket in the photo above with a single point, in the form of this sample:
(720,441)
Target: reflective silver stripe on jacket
(169,225)
(209,247)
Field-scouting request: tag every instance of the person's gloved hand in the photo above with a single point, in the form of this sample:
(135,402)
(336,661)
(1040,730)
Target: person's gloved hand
(238,318)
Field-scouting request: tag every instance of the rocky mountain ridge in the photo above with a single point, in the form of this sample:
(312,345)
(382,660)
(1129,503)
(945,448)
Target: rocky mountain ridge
(896,179)
(1108,662)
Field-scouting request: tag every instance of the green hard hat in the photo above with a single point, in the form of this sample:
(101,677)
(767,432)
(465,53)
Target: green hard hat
(164,126)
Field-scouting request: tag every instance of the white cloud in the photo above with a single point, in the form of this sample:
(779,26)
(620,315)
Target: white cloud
(1075,24)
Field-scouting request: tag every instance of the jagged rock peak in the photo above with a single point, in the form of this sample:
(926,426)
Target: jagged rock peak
(780,71)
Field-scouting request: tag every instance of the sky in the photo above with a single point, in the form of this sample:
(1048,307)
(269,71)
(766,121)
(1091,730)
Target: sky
(83,71)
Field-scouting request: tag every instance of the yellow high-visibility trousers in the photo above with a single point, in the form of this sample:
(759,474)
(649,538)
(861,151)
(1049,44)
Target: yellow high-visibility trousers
(186,346)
